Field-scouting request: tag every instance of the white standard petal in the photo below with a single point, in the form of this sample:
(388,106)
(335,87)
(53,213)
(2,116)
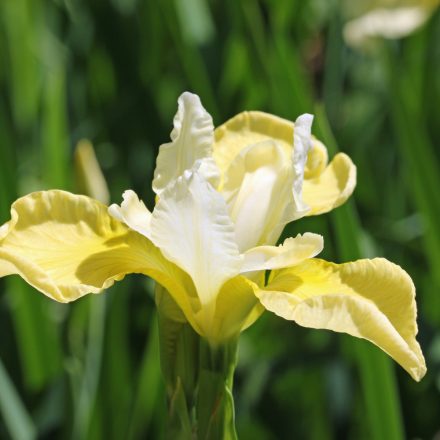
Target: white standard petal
(302,143)
(258,192)
(293,251)
(192,139)
(133,213)
(192,228)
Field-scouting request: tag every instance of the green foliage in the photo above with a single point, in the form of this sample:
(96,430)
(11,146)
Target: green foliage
(111,71)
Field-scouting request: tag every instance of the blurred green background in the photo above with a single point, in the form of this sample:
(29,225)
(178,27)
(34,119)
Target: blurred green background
(111,71)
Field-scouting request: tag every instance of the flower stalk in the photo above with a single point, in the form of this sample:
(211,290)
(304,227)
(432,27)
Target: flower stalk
(198,378)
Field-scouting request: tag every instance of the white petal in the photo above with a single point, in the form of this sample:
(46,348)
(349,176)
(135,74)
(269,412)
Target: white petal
(192,139)
(302,143)
(291,252)
(258,192)
(191,226)
(387,23)
(133,213)
(4,230)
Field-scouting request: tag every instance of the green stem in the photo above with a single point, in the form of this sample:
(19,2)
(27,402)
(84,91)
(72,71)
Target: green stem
(198,377)
(215,403)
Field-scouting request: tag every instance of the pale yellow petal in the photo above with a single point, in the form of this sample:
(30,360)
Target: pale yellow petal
(67,246)
(370,299)
(324,187)
(133,213)
(236,304)
(332,187)
(191,226)
(248,128)
(258,192)
(192,139)
(316,160)
(290,253)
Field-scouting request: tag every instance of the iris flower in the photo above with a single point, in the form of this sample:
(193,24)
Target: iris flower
(223,199)
(391,19)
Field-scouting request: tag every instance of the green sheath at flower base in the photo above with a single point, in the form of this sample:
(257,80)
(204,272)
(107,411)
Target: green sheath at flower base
(198,377)
(224,197)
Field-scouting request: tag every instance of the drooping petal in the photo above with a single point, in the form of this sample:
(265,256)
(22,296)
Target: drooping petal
(191,226)
(370,299)
(332,187)
(258,191)
(192,139)
(302,143)
(133,213)
(67,246)
(291,252)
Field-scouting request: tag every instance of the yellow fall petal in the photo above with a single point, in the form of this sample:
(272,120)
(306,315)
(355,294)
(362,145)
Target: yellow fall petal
(50,237)
(332,187)
(370,299)
(66,246)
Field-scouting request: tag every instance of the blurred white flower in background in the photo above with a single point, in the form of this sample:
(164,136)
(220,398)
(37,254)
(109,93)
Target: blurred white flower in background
(385,19)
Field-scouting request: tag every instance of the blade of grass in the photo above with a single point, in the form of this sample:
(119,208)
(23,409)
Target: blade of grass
(117,375)
(191,59)
(15,415)
(90,378)
(8,175)
(35,332)
(149,394)
(410,129)
(54,128)
(375,368)
(291,93)
(24,76)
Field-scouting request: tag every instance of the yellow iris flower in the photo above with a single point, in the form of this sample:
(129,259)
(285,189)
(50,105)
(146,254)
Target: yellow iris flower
(223,198)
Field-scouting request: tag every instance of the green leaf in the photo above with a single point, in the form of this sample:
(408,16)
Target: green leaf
(17,420)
